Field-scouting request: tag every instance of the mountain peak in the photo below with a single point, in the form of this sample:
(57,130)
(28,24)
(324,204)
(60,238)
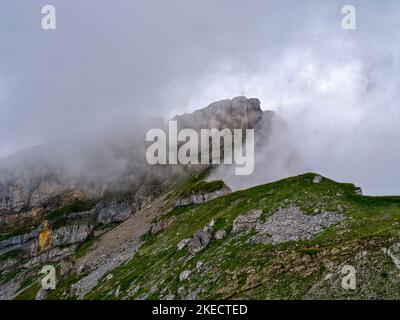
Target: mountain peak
(237,113)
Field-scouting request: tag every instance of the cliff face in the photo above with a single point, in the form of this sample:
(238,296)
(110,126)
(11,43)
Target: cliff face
(238,113)
(46,213)
(40,187)
(174,232)
(24,203)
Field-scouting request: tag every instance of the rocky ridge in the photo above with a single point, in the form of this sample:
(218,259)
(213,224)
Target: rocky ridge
(47,216)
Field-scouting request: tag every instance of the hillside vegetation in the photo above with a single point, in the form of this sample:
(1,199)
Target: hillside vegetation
(230,264)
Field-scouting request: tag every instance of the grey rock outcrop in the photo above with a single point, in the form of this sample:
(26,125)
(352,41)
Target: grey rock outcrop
(394,253)
(291,224)
(199,241)
(317,179)
(184,275)
(19,239)
(236,113)
(246,221)
(182,244)
(32,183)
(199,265)
(203,197)
(70,234)
(114,212)
(27,193)
(40,186)
(288,224)
(41,294)
(220,234)
(53,254)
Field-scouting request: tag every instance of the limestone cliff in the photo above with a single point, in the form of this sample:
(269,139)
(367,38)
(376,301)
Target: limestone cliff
(48,214)
(37,186)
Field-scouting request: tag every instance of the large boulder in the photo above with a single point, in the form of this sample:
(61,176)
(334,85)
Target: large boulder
(199,241)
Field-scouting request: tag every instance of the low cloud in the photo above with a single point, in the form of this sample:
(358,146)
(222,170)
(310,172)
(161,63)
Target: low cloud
(109,65)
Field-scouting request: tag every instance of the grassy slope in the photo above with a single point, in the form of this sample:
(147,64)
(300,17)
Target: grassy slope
(235,268)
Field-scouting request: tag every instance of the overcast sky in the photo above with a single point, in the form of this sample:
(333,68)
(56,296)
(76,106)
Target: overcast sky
(112,62)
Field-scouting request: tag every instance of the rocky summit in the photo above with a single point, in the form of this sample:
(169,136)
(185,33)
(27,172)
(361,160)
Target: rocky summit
(177,233)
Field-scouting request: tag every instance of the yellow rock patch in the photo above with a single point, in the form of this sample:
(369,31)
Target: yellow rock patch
(45,239)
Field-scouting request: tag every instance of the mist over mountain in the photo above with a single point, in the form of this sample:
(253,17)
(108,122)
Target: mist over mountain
(317,218)
(108,67)
(114,161)
(140,231)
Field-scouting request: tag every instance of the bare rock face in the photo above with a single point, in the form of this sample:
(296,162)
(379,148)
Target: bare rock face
(70,234)
(39,185)
(115,212)
(23,202)
(236,113)
(41,294)
(199,241)
(53,254)
(46,189)
(32,184)
(19,239)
